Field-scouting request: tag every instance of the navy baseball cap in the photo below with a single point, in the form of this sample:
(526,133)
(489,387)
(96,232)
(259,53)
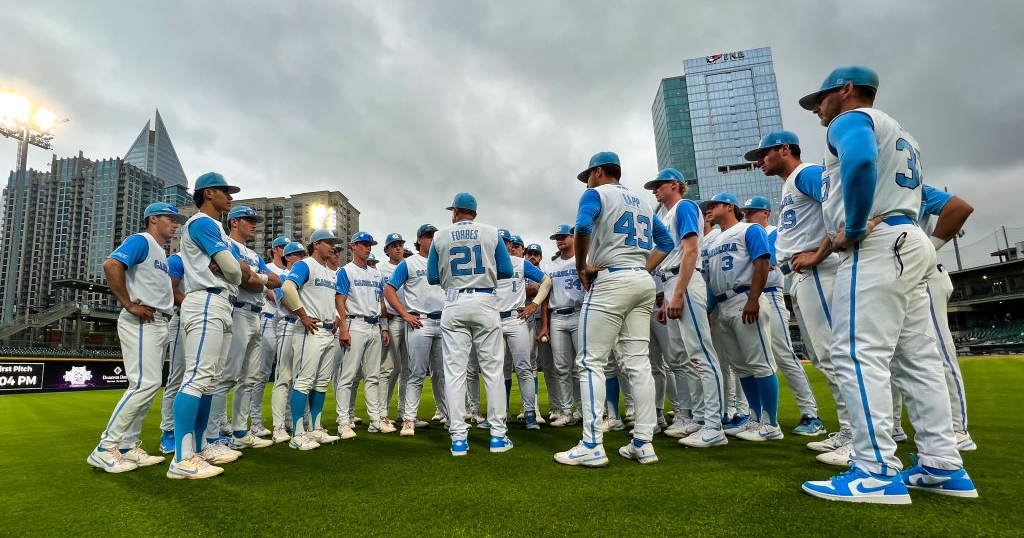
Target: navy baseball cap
(293,247)
(858,75)
(213,179)
(424,230)
(516,240)
(704,205)
(534,247)
(599,159)
(724,198)
(244,212)
(771,140)
(463,200)
(504,234)
(323,235)
(393,238)
(668,174)
(362,237)
(758,202)
(563,229)
(165,209)
(281,241)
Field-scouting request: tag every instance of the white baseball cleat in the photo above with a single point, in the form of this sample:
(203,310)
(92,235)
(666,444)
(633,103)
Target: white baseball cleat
(408,428)
(110,461)
(610,424)
(964,443)
(218,454)
(839,457)
(832,442)
(643,454)
(560,420)
(420,423)
(682,426)
(581,455)
(303,442)
(899,435)
(705,437)
(259,430)
(249,441)
(323,437)
(438,416)
(194,468)
(140,457)
(346,432)
(766,432)
(380,427)
(281,435)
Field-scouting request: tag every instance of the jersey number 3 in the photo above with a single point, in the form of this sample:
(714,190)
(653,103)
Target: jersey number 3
(464,259)
(627,226)
(913,164)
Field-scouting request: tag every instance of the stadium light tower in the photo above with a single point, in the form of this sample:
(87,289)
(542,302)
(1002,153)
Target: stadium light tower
(31,127)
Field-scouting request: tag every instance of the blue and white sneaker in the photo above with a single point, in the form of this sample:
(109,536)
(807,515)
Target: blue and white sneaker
(531,420)
(500,444)
(581,455)
(459,447)
(898,435)
(964,443)
(736,425)
(485,425)
(167,442)
(643,454)
(858,486)
(956,483)
(809,426)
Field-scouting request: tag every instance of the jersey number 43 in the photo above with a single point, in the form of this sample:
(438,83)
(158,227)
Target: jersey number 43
(636,229)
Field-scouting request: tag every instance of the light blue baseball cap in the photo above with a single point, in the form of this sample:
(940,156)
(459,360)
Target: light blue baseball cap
(771,140)
(599,159)
(393,238)
(371,259)
(244,212)
(534,247)
(362,237)
(858,75)
(516,240)
(504,234)
(213,179)
(562,229)
(668,174)
(164,209)
(463,200)
(294,247)
(323,235)
(424,230)
(724,198)
(281,241)
(758,202)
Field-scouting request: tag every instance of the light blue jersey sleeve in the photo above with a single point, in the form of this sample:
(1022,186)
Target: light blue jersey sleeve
(590,208)
(933,200)
(757,242)
(662,239)
(133,251)
(504,261)
(342,286)
(175,267)
(299,273)
(531,272)
(433,275)
(771,245)
(400,275)
(808,181)
(688,219)
(851,137)
(262,265)
(206,234)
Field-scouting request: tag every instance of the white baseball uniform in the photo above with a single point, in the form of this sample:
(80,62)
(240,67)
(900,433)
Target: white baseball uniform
(269,319)
(362,287)
(175,351)
(564,302)
(394,365)
(511,298)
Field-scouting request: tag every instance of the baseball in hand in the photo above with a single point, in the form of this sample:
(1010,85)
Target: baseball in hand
(544,338)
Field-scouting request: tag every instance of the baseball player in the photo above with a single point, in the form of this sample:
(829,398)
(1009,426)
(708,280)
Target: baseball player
(467,259)
(137,274)
(518,247)
(615,232)
(881,331)
(362,335)
(268,338)
(685,305)
(284,372)
(421,312)
(394,366)
(514,311)
(756,210)
(308,291)
(241,365)
(176,354)
(560,323)
(804,254)
(541,354)
(738,260)
(212,278)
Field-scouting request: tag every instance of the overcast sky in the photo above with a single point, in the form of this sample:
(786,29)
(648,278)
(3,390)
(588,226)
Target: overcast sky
(400,105)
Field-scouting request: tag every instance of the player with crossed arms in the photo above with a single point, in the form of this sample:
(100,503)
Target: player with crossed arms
(615,232)
(467,259)
(882,331)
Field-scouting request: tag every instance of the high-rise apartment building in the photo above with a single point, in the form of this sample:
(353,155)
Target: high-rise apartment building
(724,103)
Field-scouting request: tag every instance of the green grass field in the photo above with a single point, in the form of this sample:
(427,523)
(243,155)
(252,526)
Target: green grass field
(387,485)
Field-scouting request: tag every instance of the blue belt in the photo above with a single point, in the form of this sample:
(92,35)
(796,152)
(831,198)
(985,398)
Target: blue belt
(249,307)
(898,219)
(371,321)
(268,316)
(722,297)
(329,325)
(566,311)
(429,315)
(218,291)
(771,289)
(476,290)
(617,269)
(508,313)
(288,319)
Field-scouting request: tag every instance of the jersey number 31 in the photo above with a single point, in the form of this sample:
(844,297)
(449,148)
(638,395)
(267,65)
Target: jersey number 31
(627,225)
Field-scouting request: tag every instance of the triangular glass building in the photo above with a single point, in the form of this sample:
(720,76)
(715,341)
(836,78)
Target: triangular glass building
(154,152)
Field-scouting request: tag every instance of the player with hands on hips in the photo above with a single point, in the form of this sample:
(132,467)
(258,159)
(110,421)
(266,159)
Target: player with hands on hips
(615,234)
(137,275)
(738,264)
(881,327)
(560,324)
(467,259)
